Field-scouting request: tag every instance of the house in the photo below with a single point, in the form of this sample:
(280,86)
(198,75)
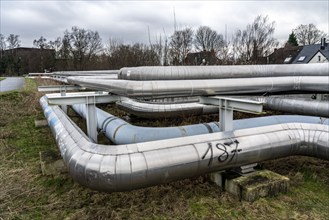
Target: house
(201,58)
(284,55)
(315,53)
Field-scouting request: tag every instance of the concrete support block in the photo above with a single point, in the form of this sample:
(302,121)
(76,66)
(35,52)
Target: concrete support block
(51,163)
(218,178)
(257,184)
(40,123)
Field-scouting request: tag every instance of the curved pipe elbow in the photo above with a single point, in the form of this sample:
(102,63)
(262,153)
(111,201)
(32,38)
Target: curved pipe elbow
(121,132)
(133,166)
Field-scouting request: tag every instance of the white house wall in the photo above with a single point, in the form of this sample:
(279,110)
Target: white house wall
(315,58)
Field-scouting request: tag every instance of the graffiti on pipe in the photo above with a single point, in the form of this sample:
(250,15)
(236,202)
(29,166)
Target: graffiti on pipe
(227,151)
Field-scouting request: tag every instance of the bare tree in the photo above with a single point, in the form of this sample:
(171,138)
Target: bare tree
(64,52)
(2,48)
(160,47)
(308,34)
(56,45)
(112,45)
(180,45)
(255,41)
(95,45)
(225,54)
(2,42)
(207,39)
(165,55)
(41,43)
(125,55)
(65,48)
(78,46)
(13,41)
(82,45)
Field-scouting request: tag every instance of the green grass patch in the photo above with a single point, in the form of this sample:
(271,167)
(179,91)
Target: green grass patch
(26,194)
(2,78)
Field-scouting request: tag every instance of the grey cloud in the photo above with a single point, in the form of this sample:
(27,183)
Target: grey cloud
(129,20)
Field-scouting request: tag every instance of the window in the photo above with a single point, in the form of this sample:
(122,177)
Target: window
(319,58)
(302,58)
(287,60)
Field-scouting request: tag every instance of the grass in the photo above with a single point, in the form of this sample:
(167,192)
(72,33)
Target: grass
(2,78)
(26,194)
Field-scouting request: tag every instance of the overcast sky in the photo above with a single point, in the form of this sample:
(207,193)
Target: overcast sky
(129,20)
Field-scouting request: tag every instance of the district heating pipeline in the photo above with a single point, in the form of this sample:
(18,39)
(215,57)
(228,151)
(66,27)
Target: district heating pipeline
(133,166)
(293,105)
(121,132)
(156,73)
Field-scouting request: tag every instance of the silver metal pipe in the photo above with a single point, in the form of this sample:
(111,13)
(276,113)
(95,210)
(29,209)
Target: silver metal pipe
(133,166)
(277,119)
(121,132)
(156,110)
(221,72)
(296,106)
(293,105)
(85,73)
(175,88)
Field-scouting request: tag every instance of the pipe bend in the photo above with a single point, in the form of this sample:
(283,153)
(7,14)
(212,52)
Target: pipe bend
(133,166)
(121,132)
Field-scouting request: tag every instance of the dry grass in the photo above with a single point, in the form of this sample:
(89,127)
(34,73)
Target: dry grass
(26,194)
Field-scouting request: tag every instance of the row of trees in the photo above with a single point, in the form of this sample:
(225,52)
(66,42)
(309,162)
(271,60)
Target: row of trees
(81,49)
(11,42)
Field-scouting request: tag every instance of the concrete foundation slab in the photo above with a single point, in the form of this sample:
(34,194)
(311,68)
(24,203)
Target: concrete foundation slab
(256,185)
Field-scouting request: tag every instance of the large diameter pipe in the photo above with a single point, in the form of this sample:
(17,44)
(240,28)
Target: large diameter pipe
(133,166)
(292,105)
(174,88)
(221,72)
(296,106)
(121,132)
(156,110)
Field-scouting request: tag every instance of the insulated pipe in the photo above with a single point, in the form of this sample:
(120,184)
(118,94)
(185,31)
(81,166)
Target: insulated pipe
(155,110)
(85,73)
(174,88)
(221,72)
(121,132)
(133,166)
(296,106)
(277,119)
(292,105)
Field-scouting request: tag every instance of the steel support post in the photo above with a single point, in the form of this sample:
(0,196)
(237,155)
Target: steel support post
(227,105)
(91,118)
(320,97)
(63,93)
(64,108)
(89,99)
(225,116)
